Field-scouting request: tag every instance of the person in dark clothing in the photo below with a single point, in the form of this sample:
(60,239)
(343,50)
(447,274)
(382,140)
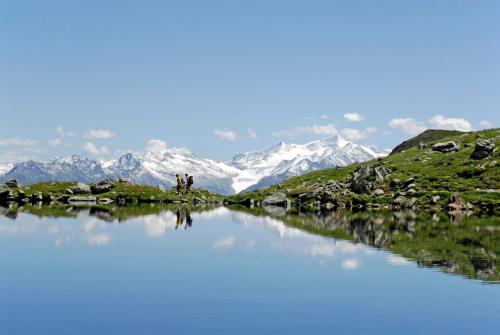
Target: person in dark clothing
(180,218)
(189,219)
(189,182)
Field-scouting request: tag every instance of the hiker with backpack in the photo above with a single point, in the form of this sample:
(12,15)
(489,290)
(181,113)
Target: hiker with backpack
(180,184)
(189,182)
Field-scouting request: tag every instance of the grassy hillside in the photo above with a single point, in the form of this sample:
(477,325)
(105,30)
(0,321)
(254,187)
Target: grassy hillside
(435,173)
(430,135)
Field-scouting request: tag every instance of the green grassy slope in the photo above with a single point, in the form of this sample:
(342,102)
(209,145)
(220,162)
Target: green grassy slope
(435,173)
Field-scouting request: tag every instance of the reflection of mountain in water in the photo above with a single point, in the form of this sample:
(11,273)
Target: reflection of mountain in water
(466,246)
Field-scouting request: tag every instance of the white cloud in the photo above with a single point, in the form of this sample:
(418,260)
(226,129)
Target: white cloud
(323,249)
(354,117)
(407,126)
(352,134)
(19,142)
(64,133)
(484,124)
(99,134)
(397,260)
(224,243)
(315,129)
(252,134)
(156,145)
(250,244)
(157,225)
(55,142)
(442,122)
(95,151)
(324,117)
(371,130)
(99,239)
(228,135)
(351,264)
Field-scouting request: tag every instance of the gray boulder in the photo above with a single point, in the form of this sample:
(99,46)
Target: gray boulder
(483,149)
(276,199)
(412,202)
(395,183)
(12,183)
(365,179)
(81,188)
(400,200)
(445,147)
(102,187)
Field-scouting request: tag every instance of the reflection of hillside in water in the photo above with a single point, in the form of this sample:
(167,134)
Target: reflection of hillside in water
(468,246)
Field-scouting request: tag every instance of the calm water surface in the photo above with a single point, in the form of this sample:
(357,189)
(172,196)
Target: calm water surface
(228,272)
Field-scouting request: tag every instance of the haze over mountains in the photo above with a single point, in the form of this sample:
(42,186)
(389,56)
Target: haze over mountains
(246,171)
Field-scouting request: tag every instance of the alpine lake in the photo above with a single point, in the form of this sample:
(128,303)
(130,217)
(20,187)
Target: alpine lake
(179,269)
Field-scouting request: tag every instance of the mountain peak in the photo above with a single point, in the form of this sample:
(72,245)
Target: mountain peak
(247,170)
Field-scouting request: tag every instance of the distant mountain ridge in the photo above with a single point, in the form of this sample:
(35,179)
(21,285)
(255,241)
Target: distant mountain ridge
(246,171)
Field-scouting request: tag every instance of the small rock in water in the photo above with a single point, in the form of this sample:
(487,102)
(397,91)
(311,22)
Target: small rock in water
(77,199)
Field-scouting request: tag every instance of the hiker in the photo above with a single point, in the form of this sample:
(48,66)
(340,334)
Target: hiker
(189,182)
(180,218)
(180,183)
(189,219)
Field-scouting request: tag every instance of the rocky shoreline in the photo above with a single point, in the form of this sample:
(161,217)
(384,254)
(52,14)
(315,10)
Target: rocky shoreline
(105,192)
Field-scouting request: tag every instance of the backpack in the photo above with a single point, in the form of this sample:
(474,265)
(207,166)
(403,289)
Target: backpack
(190,180)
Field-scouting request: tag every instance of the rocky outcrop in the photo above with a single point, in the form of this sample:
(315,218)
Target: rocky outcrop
(102,187)
(12,183)
(483,149)
(446,147)
(276,199)
(366,179)
(80,188)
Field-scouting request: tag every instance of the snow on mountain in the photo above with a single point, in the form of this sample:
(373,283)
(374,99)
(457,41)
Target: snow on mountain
(274,164)
(4,168)
(246,171)
(64,169)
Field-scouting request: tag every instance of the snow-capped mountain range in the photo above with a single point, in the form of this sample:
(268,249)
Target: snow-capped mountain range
(244,172)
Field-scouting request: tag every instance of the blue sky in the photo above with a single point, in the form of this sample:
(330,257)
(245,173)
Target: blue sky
(222,77)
